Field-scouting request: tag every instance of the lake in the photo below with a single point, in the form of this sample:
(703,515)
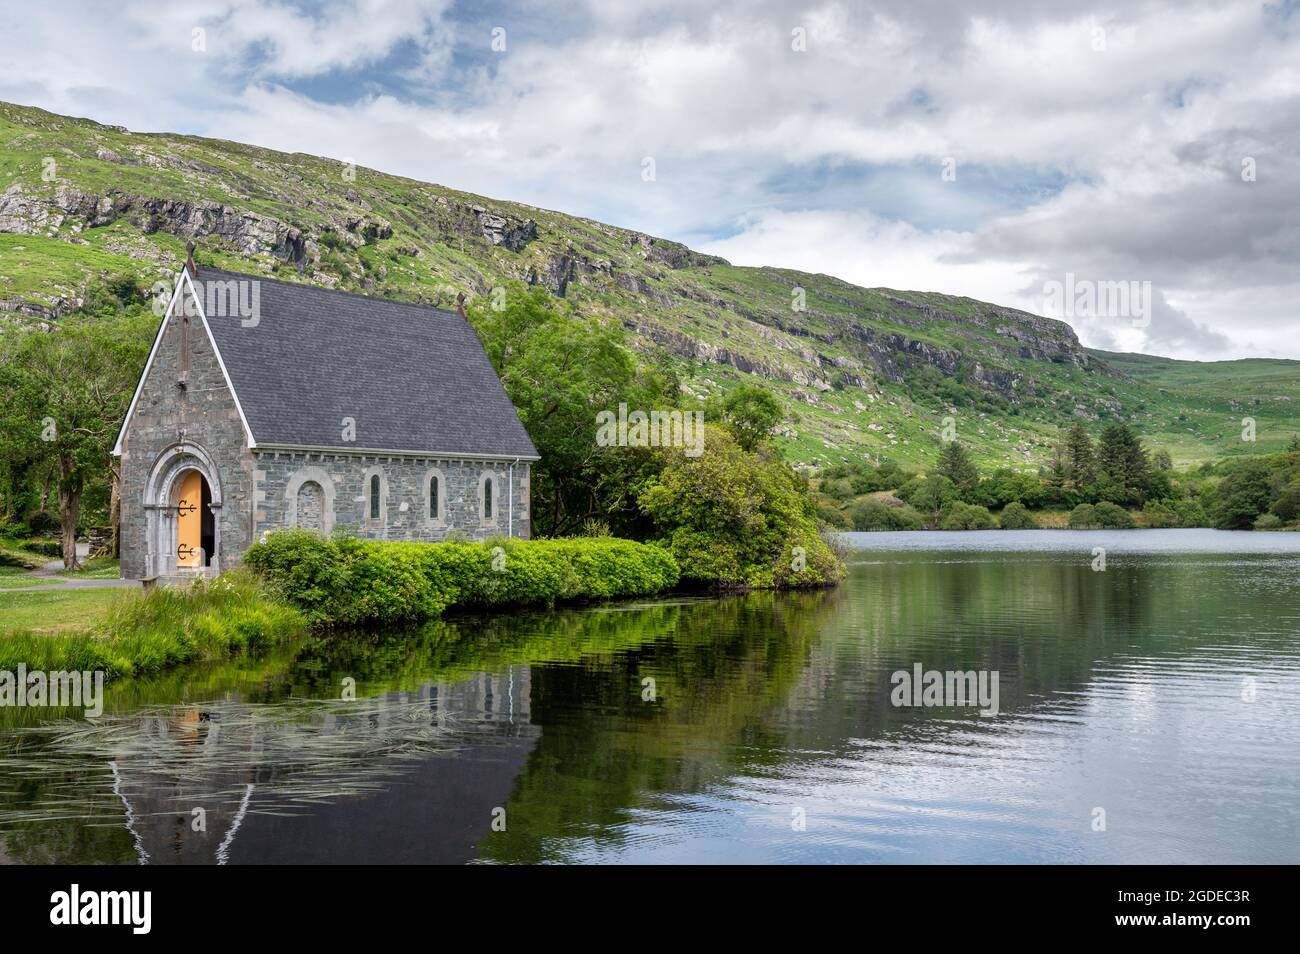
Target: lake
(1148,712)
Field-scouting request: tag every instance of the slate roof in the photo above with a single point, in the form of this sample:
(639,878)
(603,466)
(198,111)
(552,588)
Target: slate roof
(415,379)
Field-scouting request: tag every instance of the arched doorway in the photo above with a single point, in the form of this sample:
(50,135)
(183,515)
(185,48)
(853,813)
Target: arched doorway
(182,504)
(195,526)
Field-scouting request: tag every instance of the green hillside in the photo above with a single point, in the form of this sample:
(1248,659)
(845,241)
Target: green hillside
(864,373)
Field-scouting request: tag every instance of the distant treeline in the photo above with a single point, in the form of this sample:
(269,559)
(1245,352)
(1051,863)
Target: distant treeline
(1112,481)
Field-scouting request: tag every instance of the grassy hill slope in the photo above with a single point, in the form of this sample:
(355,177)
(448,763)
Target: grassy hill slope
(864,373)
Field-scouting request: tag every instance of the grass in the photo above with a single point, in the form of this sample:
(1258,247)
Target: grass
(1193,410)
(97,568)
(13,554)
(12,577)
(53,611)
(138,632)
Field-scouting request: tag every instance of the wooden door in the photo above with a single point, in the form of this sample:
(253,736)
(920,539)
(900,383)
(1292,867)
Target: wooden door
(189,521)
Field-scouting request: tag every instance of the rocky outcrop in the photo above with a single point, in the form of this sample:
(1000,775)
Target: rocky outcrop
(505,231)
(672,254)
(25,212)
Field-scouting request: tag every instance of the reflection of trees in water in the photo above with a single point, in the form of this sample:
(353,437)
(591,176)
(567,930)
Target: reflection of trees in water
(67,787)
(719,673)
(743,684)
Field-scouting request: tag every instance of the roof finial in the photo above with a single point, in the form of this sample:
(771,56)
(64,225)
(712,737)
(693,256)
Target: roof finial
(460,305)
(189,260)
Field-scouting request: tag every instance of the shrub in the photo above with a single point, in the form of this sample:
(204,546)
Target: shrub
(1242,495)
(875,515)
(833,516)
(964,516)
(340,580)
(1084,517)
(1190,513)
(928,494)
(735,519)
(1269,521)
(1015,516)
(1114,517)
(1160,515)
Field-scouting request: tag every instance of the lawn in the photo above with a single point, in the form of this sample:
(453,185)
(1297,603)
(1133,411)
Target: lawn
(54,611)
(11,576)
(97,568)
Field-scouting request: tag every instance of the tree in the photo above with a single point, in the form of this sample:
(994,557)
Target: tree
(751,412)
(964,516)
(63,394)
(1123,462)
(560,370)
(1016,517)
(738,519)
(1242,495)
(930,494)
(1079,462)
(955,463)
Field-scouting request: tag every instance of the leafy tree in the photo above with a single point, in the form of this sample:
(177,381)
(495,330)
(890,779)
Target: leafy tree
(955,463)
(560,370)
(1005,485)
(1242,495)
(735,519)
(750,412)
(929,494)
(1160,514)
(63,394)
(1114,517)
(1016,517)
(1084,517)
(964,516)
(877,515)
(1287,505)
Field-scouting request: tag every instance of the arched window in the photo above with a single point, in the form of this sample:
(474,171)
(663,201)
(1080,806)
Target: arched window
(437,510)
(487,498)
(374,499)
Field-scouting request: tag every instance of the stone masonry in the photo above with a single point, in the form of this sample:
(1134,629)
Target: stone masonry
(166,416)
(342,482)
(174,428)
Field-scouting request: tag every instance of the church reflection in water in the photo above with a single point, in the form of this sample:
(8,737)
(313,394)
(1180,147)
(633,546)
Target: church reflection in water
(323,780)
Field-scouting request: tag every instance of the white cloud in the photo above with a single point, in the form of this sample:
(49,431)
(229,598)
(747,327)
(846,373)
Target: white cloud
(1122,162)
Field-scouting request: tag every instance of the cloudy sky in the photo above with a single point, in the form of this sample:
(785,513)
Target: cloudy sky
(982,148)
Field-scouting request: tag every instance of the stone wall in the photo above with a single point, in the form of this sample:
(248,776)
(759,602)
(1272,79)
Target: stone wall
(167,420)
(403,511)
(257,491)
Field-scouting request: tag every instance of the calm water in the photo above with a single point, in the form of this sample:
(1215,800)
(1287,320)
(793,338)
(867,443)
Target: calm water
(1164,690)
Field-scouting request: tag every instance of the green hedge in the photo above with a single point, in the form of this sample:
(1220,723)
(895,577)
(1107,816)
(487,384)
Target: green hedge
(340,580)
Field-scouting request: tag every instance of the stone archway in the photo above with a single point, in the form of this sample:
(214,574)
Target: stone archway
(162,494)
